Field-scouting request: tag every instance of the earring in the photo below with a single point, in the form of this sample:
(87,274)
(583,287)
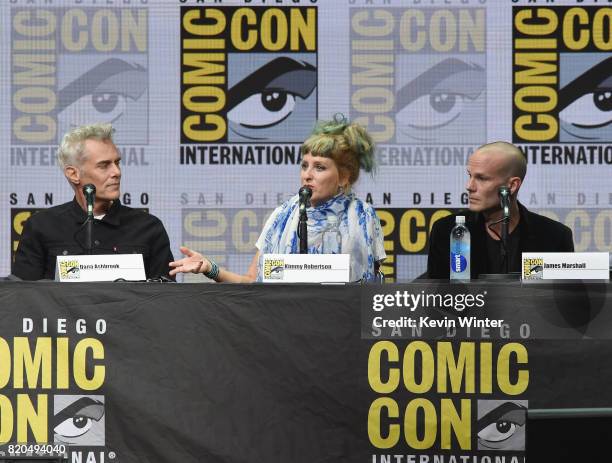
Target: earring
(340,190)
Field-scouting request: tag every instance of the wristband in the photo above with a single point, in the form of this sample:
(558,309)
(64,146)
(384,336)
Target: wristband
(213,273)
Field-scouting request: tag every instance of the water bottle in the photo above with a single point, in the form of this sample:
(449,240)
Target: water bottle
(332,238)
(460,250)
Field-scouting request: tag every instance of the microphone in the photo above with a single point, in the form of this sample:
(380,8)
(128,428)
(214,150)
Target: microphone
(89,191)
(504,196)
(304,194)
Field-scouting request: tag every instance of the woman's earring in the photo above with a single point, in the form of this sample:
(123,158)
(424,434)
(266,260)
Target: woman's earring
(340,190)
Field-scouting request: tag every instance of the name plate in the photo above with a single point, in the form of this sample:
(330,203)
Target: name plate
(565,266)
(99,267)
(306,268)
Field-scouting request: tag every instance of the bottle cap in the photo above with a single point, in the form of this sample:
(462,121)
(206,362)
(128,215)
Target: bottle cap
(460,219)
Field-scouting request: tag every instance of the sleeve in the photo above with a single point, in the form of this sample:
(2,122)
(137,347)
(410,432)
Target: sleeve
(161,255)
(568,241)
(259,244)
(30,257)
(437,258)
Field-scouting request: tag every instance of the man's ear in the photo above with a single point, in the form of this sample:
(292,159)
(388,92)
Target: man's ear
(515,184)
(72,174)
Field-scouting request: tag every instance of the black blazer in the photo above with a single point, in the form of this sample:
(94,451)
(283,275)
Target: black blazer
(537,234)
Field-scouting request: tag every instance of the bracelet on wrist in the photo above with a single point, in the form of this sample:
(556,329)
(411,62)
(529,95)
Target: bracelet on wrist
(213,273)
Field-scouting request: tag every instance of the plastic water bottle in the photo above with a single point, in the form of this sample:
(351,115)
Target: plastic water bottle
(332,238)
(460,250)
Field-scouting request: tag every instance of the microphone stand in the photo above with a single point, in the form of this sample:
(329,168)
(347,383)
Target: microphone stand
(304,195)
(505,224)
(504,238)
(89,233)
(303,229)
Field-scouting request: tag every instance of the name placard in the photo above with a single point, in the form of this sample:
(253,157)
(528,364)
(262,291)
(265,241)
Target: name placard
(99,267)
(565,266)
(306,268)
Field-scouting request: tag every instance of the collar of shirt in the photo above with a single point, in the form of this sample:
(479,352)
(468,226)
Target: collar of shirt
(111,217)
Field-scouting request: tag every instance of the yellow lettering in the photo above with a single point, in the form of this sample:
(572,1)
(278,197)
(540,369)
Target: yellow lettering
(34,418)
(410,420)
(35,366)
(242,19)
(503,369)
(456,371)
(374,367)
(574,18)
(374,423)
(427,370)
(80,362)
(452,422)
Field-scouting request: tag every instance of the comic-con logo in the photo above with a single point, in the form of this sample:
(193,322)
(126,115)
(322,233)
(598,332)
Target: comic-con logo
(273,269)
(72,66)
(429,397)
(248,74)
(562,79)
(69,269)
(418,75)
(533,268)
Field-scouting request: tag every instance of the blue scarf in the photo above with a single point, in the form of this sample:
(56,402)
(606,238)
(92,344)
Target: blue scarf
(362,236)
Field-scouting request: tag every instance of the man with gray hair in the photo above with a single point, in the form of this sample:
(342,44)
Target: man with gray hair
(490,167)
(87,155)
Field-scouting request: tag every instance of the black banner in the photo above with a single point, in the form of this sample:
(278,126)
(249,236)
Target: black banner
(253,373)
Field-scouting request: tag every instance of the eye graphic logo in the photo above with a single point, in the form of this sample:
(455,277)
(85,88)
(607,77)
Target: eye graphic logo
(275,101)
(585,98)
(78,420)
(501,425)
(112,91)
(442,103)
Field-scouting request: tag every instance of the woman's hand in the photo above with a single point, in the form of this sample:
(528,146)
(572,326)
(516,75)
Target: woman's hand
(193,263)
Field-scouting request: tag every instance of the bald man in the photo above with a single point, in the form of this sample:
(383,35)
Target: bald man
(490,167)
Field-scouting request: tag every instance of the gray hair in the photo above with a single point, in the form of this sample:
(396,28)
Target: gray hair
(72,146)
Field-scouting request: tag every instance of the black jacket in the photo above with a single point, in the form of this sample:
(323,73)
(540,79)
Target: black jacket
(58,231)
(537,234)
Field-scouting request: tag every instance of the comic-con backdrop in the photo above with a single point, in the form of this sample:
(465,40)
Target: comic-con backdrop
(211,99)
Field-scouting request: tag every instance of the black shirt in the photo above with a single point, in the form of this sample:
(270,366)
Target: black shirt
(536,233)
(494,260)
(59,231)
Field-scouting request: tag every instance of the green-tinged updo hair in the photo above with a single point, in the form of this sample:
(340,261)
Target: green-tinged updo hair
(347,143)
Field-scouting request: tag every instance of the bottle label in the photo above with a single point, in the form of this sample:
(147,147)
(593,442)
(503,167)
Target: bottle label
(458,263)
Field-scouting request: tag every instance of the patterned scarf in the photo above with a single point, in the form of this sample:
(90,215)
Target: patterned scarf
(360,228)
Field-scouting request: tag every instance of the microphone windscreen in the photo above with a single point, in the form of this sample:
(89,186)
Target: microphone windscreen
(305,192)
(89,189)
